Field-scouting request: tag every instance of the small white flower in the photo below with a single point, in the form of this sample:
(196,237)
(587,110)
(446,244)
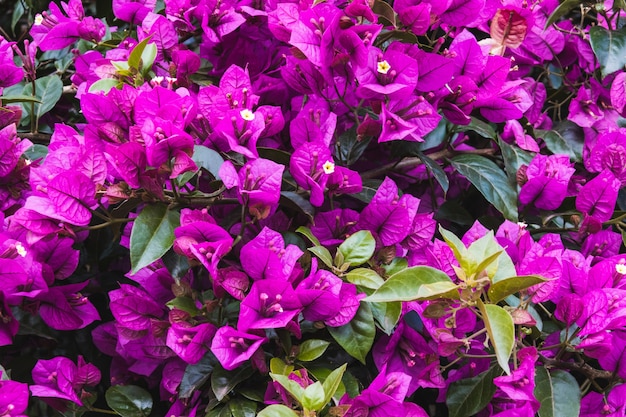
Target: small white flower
(247,115)
(20,249)
(328,167)
(383,67)
(620,268)
(38,19)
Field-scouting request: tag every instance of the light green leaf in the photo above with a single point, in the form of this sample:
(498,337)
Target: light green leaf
(457,246)
(565,138)
(18,98)
(312,349)
(490,180)
(396,265)
(365,278)
(134,59)
(505,287)
(467,397)
(184,304)
(609,47)
(332,383)
(277,410)
(482,255)
(323,254)
(308,234)
(147,58)
(103,85)
(152,235)
(415,283)
(295,389)
(558,393)
(49,90)
(129,400)
(387,315)
(501,331)
(358,248)
(313,398)
(356,337)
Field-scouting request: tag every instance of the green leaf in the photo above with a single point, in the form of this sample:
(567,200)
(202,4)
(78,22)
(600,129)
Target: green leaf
(490,180)
(103,85)
(49,91)
(558,393)
(196,375)
(457,246)
(501,331)
(177,265)
(564,8)
(36,152)
(467,397)
(208,159)
(415,283)
(241,407)
(313,397)
(387,315)
(349,148)
(396,265)
(332,383)
(147,58)
(505,287)
(295,389)
(438,173)
(514,157)
(312,349)
(129,400)
(19,98)
(609,47)
(357,336)
(19,8)
(308,234)
(358,248)
(566,138)
(223,381)
(385,11)
(365,278)
(476,125)
(152,235)
(482,255)
(278,366)
(277,410)
(185,304)
(134,59)
(297,202)
(323,254)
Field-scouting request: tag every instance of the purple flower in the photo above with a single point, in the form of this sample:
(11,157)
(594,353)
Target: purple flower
(333,227)
(390,74)
(233,347)
(547,181)
(520,385)
(204,242)
(311,164)
(258,185)
(597,197)
(595,404)
(189,342)
(13,398)
(270,304)
(61,378)
(609,152)
(266,256)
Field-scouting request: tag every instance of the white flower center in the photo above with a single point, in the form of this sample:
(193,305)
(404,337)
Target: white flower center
(247,115)
(383,67)
(328,167)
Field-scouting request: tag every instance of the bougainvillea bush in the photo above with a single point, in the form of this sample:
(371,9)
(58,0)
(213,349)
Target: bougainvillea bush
(329,208)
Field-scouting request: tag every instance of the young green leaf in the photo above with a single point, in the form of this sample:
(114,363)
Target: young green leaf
(358,248)
(501,331)
(277,410)
(313,397)
(415,283)
(505,287)
(332,382)
(312,349)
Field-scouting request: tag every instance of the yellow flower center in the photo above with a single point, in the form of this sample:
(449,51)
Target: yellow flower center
(329,167)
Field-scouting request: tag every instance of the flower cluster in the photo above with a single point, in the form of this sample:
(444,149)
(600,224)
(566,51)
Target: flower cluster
(336,208)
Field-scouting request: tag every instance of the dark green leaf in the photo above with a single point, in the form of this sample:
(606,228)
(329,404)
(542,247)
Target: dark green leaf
(184,304)
(566,138)
(277,410)
(436,171)
(348,148)
(240,407)
(383,9)
(609,47)
(368,191)
(476,125)
(501,331)
(196,375)
(358,248)
(312,349)
(129,400)
(208,159)
(19,98)
(297,202)
(49,90)
(152,235)
(454,212)
(18,12)
(36,152)
(223,381)
(505,287)
(177,265)
(275,155)
(387,315)
(490,180)
(564,8)
(558,393)
(467,397)
(415,283)
(514,157)
(357,336)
